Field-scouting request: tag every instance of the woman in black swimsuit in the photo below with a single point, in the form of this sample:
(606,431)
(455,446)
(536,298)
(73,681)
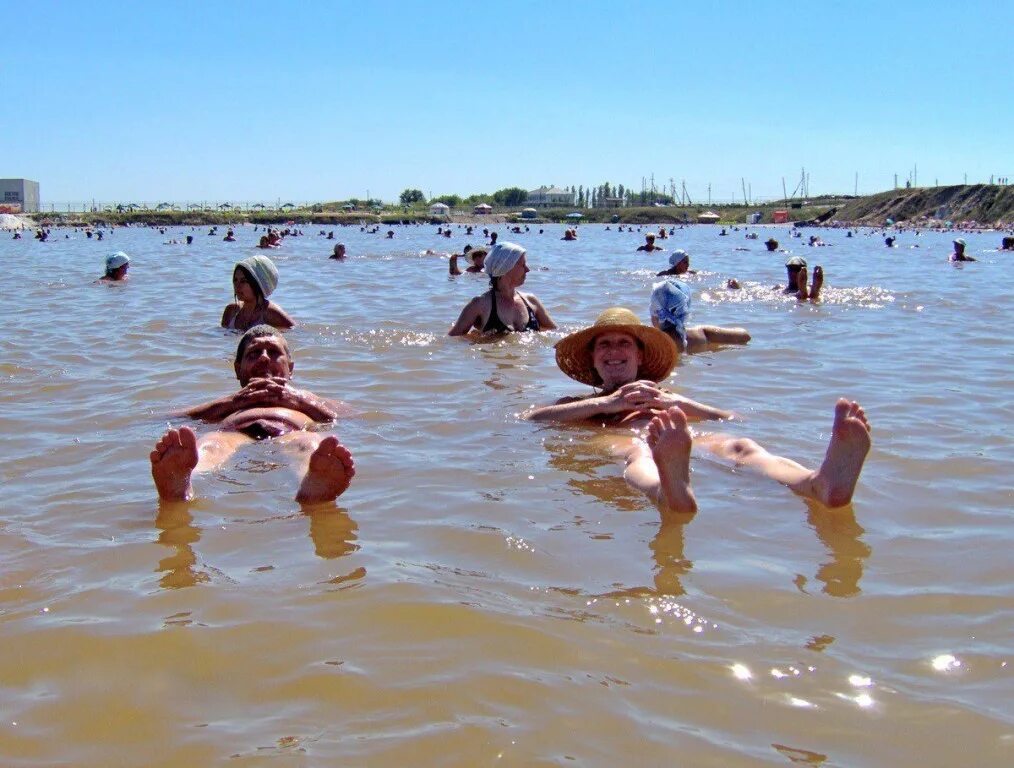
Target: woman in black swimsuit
(503,308)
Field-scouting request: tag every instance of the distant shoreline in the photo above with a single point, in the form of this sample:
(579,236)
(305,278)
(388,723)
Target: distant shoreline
(978,205)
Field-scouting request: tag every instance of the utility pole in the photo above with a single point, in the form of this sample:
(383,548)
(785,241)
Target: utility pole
(895,181)
(785,195)
(742,181)
(709,193)
(856,190)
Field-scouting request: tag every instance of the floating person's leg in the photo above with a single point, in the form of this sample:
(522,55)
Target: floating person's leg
(179,453)
(172,462)
(660,468)
(817,283)
(324,464)
(834,483)
(700,337)
(802,293)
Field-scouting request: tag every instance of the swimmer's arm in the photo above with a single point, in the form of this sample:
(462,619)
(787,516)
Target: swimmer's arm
(214,411)
(228,313)
(545,321)
(453,266)
(569,409)
(468,318)
(256,394)
(695,411)
(320,409)
(278,317)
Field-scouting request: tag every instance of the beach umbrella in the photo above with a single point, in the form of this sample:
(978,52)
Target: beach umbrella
(575,215)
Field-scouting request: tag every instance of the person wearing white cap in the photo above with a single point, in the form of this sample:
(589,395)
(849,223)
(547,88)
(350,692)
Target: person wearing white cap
(116,267)
(503,308)
(679,264)
(626,362)
(253,280)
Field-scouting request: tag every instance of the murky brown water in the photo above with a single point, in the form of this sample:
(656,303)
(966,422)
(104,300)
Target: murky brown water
(489,592)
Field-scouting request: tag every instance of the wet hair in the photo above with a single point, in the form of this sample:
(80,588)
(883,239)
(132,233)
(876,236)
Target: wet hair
(257,332)
(254,285)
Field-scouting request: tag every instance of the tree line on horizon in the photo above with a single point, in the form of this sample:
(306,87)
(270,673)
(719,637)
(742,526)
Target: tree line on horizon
(509,197)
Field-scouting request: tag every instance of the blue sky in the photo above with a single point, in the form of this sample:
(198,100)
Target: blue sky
(308,101)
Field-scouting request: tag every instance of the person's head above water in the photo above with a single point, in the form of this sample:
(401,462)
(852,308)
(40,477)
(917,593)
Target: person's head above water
(116,265)
(670,308)
(771,244)
(616,350)
(795,264)
(261,273)
(502,258)
(959,246)
(477,256)
(262,353)
(678,256)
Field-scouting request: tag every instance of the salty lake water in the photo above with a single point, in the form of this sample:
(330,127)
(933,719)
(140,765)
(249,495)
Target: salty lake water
(488,591)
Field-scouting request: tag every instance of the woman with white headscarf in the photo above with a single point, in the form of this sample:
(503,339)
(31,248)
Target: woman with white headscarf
(253,280)
(503,307)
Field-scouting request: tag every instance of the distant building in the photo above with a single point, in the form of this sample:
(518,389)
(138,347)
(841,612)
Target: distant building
(609,202)
(20,192)
(550,197)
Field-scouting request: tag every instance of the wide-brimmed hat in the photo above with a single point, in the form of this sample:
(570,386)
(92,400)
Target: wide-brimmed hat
(796,261)
(263,271)
(574,352)
(476,253)
(959,241)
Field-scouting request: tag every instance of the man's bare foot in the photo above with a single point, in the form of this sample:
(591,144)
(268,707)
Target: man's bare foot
(669,440)
(835,481)
(329,473)
(818,282)
(172,463)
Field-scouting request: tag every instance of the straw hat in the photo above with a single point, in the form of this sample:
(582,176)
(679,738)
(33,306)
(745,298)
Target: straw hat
(474,254)
(574,352)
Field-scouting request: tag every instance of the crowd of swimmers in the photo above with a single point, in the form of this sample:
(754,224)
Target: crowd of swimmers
(625,361)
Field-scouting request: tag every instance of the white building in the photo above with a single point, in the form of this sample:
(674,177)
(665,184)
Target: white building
(20,192)
(550,197)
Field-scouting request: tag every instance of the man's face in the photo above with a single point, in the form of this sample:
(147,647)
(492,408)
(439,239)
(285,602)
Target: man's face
(617,358)
(264,357)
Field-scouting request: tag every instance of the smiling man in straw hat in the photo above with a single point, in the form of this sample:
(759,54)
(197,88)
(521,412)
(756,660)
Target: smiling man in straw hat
(625,360)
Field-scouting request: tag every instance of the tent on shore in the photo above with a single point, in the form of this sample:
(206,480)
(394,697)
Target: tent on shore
(708,217)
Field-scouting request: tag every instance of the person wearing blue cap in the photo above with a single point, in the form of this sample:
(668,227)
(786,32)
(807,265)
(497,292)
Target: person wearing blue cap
(670,311)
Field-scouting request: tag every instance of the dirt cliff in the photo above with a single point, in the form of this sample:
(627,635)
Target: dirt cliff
(985,204)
